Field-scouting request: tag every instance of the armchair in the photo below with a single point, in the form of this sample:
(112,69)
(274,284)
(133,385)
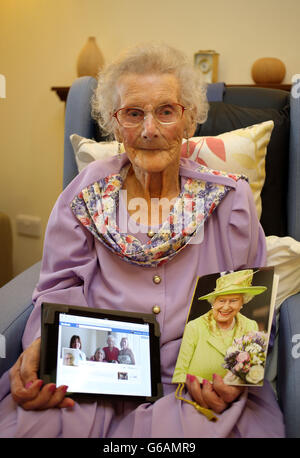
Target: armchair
(231,108)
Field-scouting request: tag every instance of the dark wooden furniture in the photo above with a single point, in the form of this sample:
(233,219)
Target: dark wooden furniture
(62,91)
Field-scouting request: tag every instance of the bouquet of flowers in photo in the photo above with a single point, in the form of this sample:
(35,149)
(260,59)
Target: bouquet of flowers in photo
(245,359)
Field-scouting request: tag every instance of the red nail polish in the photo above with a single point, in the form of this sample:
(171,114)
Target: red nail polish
(205,382)
(28,385)
(64,388)
(190,377)
(52,388)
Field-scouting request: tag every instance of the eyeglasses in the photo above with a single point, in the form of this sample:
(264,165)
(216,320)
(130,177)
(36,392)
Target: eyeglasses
(165,114)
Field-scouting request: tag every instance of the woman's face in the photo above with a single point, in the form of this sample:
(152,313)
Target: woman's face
(76,344)
(68,360)
(151,146)
(124,343)
(99,355)
(226,307)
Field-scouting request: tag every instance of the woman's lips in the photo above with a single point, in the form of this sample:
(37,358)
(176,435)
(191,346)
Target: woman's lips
(151,148)
(225,313)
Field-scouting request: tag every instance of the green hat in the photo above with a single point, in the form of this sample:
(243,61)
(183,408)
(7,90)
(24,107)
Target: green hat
(239,282)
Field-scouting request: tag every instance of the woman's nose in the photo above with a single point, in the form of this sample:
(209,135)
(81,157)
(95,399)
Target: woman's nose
(150,129)
(226,304)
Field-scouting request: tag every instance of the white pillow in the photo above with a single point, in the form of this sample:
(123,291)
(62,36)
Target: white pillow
(86,150)
(284,254)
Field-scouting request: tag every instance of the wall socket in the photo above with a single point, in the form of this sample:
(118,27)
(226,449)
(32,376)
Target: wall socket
(29,225)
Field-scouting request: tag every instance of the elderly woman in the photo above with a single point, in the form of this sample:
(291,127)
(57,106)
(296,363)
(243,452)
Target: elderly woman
(207,337)
(151,100)
(99,356)
(68,359)
(111,352)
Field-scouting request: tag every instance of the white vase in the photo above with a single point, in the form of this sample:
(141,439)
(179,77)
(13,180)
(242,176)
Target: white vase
(90,59)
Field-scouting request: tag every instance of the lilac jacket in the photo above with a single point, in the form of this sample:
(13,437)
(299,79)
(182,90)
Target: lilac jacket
(78,269)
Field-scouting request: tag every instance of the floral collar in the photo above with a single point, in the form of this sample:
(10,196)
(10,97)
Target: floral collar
(96,208)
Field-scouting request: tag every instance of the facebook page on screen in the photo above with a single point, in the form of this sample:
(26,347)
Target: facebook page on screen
(103,356)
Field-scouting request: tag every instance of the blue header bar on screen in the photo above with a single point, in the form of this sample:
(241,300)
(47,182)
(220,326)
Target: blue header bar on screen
(104,327)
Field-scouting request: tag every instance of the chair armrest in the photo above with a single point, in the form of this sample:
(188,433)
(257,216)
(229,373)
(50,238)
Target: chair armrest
(15,307)
(288,386)
(293,200)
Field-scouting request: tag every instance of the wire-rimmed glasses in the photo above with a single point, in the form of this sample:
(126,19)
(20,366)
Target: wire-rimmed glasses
(165,114)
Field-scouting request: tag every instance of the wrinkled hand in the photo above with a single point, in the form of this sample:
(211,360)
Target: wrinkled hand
(27,390)
(216,396)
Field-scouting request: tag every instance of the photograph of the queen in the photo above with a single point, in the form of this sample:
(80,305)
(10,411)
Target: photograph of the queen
(223,340)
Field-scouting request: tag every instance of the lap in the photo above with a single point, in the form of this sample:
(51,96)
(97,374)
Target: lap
(255,414)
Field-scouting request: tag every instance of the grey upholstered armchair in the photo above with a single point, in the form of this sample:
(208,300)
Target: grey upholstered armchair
(231,108)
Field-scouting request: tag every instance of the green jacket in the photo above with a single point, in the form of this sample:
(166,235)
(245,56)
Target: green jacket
(204,346)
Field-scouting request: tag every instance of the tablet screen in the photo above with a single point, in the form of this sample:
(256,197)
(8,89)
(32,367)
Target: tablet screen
(104,356)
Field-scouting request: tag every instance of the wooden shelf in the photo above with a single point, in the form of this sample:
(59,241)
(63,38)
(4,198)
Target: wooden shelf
(61,91)
(283,87)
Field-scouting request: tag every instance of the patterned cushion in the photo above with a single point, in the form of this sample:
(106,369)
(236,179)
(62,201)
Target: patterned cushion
(239,151)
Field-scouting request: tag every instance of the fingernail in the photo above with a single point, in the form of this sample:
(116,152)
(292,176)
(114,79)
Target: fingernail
(71,404)
(204,381)
(52,388)
(190,377)
(64,388)
(28,385)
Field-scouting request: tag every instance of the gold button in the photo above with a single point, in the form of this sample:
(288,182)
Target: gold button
(150,234)
(156,309)
(157,279)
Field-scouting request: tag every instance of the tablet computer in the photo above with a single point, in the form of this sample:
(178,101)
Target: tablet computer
(99,352)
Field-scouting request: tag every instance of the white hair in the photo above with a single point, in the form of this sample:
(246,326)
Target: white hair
(149,59)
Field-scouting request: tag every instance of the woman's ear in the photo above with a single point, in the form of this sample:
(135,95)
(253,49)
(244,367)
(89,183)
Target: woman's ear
(191,124)
(118,136)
